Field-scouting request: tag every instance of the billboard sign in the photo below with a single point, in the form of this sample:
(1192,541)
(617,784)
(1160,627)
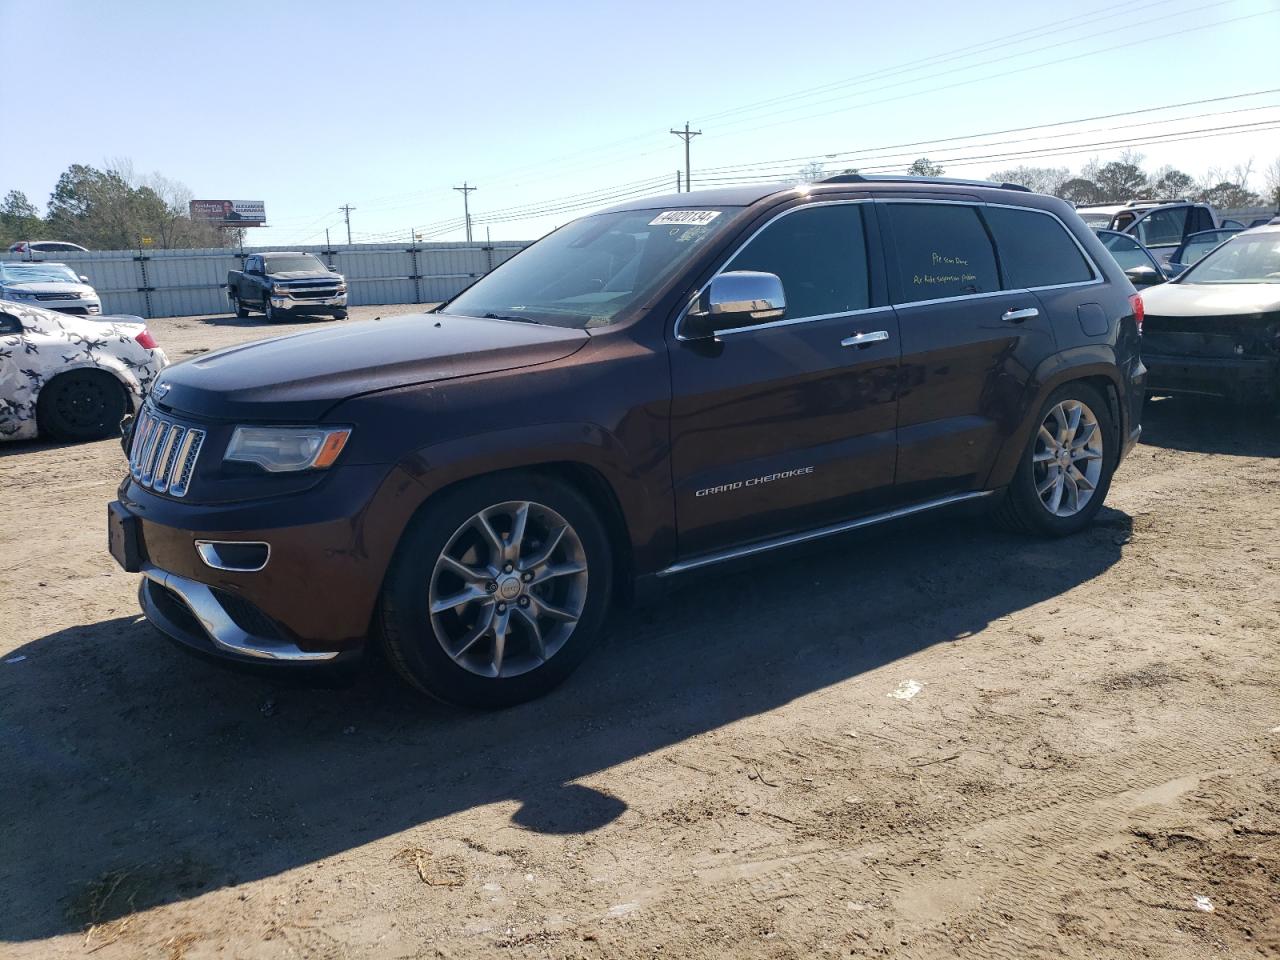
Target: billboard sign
(232,213)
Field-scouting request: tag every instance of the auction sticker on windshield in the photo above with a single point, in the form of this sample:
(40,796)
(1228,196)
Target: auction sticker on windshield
(685,217)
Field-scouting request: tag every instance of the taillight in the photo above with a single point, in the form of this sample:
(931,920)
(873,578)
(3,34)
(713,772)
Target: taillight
(1139,310)
(145,339)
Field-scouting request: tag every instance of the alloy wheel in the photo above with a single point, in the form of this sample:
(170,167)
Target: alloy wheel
(1066,462)
(508,589)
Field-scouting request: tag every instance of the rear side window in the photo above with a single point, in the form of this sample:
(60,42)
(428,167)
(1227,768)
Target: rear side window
(1035,249)
(820,254)
(1163,226)
(942,251)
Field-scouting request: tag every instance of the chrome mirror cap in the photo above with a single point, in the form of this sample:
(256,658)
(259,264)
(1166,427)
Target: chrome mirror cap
(737,298)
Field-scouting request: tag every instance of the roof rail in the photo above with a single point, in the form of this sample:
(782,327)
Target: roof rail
(944,181)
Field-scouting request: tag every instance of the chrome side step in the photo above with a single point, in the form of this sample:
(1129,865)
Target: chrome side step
(764,546)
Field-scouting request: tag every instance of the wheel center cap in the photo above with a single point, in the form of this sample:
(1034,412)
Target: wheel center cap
(509,588)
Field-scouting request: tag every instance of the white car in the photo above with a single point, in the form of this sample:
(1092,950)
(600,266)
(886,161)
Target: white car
(71,378)
(1215,329)
(54,286)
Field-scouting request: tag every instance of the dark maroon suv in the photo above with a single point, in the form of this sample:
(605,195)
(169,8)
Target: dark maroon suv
(664,386)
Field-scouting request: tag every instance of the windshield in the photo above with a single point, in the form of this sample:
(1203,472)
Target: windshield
(289,264)
(1096,220)
(37,273)
(591,271)
(1245,258)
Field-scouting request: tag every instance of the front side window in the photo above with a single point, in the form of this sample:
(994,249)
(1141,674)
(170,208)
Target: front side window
(1035,249)
(942,251)
(1163,226)
(593,271)
(819,253)
(1125,250)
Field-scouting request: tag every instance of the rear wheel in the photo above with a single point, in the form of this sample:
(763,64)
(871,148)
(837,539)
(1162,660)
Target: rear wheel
(240,309)
(81,405)
(1066,468)
(498,591)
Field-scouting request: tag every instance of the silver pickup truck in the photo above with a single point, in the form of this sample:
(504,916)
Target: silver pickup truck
(284,284)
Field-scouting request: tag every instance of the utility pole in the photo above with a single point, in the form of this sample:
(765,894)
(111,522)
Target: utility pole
(346,209)
(686,135)
(466,209)
(678,188)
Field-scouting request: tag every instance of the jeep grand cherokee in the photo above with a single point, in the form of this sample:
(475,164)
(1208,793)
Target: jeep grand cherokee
(657,388)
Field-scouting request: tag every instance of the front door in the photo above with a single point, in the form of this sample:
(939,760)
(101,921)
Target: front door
(968,347)
(783,427)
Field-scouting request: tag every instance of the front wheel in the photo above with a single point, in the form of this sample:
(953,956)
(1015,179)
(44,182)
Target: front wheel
(339,314)
(1066,468)
(498,590)
(269,310)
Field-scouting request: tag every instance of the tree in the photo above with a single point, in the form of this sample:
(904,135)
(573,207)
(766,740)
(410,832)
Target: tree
(114,209)
(19,219)
(1171,183)
(1040,179)
(1271,183)
(924,167)
(810,173)
(1080,191)
(1118,181)
(1226,189)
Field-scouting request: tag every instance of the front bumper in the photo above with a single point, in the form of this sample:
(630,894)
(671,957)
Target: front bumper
(1234,378)
(211,621)
(309,305)
(314,598)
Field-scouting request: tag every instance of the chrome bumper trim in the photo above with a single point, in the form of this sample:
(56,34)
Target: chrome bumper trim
(751,549)
(222,630)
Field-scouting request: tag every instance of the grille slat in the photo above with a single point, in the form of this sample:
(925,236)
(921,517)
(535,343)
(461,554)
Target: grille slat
(163,455)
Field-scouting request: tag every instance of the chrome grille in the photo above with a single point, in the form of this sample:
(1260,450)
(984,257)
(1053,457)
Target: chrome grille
(163,454)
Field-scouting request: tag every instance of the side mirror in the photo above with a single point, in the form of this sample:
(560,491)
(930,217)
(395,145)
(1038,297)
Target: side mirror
(83,278)
(738,298)
(1142,276)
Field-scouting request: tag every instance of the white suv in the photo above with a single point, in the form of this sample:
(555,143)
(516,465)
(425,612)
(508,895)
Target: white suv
(1159,225)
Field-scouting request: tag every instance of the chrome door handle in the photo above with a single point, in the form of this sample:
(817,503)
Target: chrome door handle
(862,339)
(1017,316)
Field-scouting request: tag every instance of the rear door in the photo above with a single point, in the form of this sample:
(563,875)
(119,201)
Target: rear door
(968,345)
(782,427)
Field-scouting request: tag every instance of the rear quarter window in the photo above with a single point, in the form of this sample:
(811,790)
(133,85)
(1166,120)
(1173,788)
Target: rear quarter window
(942,250)
(1035,249)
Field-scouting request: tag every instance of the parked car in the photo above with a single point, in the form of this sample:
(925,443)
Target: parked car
(1138,263)
(71,378)
(1197,245)
(46,246)
(1215,330)
(668,385)
(54,286)
(1159,225)
(283,284)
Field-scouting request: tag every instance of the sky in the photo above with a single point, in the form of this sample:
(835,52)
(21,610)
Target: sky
(552,107)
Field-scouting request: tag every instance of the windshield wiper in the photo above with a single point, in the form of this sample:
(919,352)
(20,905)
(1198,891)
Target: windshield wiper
(510,316)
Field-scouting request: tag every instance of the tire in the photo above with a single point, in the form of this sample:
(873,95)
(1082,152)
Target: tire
(339,314)
(270,312)
(1023,508)
(241,310)
(420,579)
(81,405)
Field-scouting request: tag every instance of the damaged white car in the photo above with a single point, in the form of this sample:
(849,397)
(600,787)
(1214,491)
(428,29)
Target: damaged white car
(71,378)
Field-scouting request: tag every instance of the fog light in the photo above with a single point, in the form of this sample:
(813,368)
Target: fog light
(235,555)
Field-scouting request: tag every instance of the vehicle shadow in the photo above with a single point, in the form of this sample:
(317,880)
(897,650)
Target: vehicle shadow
(124,757)
(1208,425)
(258,320)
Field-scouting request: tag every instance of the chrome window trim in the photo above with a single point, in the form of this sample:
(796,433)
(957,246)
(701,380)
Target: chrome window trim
(742,246)
(1098,276)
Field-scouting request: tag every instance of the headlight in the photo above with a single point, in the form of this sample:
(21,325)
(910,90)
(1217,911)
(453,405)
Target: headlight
(286,449)
(279,288)
(20,295)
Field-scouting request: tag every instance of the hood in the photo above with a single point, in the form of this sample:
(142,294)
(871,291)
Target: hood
(299,377)
(304,275)
(49,286)
(1211,299)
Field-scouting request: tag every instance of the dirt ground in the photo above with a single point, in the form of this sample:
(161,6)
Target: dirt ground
(926,741)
